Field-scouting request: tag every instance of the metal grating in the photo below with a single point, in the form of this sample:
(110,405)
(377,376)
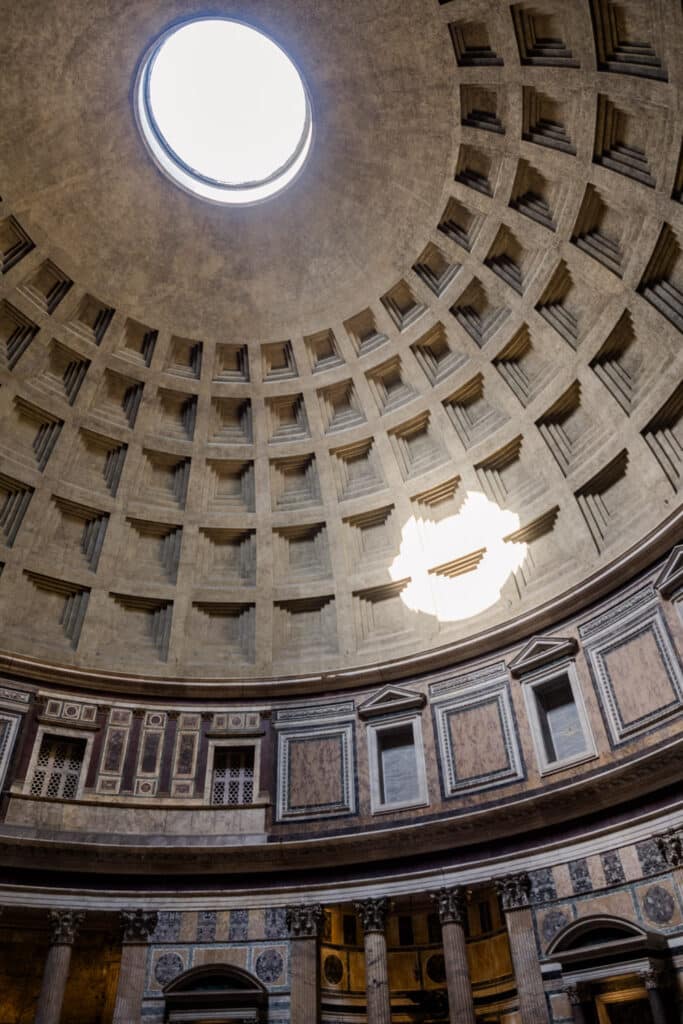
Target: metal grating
(233,776)
(58,768)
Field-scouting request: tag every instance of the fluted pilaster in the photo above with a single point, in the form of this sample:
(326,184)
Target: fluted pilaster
(137,926)
(303,924)
(514,891)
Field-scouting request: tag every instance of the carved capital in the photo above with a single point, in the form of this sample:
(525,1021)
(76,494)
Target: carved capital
(670,845)
(651,978)
(64,925)
(373,913)
(138,925)
(514,891)
(304,921)
(577,994)
(451,905)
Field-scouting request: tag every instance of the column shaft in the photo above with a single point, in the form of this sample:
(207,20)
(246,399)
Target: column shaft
(658,1008)
(460,1002)
(53,987)
(131,985)
(138,925)
(533,1007)
(304,1001)
(377,978)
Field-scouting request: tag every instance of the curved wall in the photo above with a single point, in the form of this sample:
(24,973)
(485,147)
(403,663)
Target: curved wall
(320,468)
(144,799)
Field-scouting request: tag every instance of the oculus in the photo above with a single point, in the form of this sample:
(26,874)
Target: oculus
(223,111)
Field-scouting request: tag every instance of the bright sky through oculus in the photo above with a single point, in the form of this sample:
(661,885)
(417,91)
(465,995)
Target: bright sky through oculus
(224,111)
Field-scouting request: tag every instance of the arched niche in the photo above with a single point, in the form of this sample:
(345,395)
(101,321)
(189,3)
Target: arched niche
(614,971)
(602,935)
(220,993)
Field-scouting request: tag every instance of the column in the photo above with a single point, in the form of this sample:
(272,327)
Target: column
(670,846)
(137,925)
(373,916)
(303,924)
(452,910)
(64,925)
(514,895)
(652,980)
(580,1001)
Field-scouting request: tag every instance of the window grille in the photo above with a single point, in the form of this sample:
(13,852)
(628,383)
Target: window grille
(58,768)
(233,775)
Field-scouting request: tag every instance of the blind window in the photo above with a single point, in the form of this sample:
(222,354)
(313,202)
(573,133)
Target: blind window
(233,775)
(58,768)
(559,719)
(397,765)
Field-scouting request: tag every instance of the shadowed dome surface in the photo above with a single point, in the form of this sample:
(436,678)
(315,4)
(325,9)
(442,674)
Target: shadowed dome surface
(424,400)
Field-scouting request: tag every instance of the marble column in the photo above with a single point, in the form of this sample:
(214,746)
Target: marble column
(514,896)
(670,846)
(580,1001)
(373,917)
(452,911)
(64,925)
(303,924)
(652,980)
(137,925)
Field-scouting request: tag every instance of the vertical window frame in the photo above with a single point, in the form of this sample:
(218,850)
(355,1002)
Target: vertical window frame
(230,742)
(14,724)
(537,681)
(65,734)
(374,731)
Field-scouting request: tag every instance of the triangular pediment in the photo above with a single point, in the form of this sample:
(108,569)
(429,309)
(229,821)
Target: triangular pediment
(391,699)
(541,650)
(670,578)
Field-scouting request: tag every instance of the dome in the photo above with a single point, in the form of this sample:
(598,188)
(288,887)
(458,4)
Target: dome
(410,403)
(341,544)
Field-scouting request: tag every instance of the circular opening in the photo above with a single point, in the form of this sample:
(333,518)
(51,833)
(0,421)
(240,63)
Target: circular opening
(224,111)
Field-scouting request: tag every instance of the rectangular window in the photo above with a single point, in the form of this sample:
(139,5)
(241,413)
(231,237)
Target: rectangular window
(233,776)
(559,719)
(397,765)
(559,724)
(349,928)
(58,768)
(406,936)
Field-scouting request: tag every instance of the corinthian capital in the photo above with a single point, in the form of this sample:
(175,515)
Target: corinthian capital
(514,891)
(304,920)
(373,913)
(670,845)
(64,925)
(451,904)
(138,925)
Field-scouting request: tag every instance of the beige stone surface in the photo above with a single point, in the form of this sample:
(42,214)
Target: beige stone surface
(226,551)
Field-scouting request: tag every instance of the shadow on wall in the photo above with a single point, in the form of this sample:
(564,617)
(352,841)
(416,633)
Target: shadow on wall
(458,566)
